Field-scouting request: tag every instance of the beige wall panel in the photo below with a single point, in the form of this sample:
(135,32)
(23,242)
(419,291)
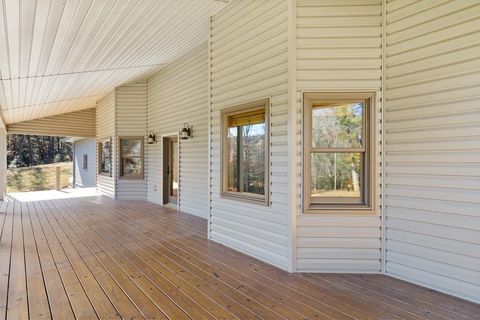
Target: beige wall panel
(338,49)
(74,124)
(178,94)
(130,120)
(432,146)
(249,55)
(105,125)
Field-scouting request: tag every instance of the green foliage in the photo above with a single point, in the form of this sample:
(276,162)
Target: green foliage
(25,150)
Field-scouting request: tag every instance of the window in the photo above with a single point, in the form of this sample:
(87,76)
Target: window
(105,157)
(85,162)
(131,157)
(245,152)
(338,152)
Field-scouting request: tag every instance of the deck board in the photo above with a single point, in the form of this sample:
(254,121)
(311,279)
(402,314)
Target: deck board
(95,257)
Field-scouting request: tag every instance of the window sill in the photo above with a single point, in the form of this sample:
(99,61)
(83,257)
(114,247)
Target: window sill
(105,174)
(131,178)
(340,210)
(262,201)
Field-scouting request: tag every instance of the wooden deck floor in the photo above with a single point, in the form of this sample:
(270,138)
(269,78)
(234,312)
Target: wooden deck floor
(90,258)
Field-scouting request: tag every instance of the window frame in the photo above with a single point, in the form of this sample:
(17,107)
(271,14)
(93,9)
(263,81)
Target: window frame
(85,161)
(237,110)
(100,154)
(368,164)
(122,175)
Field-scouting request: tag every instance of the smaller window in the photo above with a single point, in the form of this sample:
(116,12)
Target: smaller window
(245,150)
(339,152)
(85,162)
(131,157)
(105,157)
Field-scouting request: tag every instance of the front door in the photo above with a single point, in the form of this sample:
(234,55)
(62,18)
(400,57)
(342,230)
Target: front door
(170,169)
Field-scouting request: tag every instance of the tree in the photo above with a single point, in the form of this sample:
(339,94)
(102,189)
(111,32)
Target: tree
(37,150)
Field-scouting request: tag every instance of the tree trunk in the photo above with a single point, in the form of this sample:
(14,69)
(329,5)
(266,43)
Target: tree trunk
(30,151)
(51,149)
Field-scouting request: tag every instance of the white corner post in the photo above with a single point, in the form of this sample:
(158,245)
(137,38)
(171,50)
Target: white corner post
(292,133)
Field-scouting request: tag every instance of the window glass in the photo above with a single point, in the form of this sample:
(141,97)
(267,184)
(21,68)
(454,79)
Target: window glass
(131,157)
(131,147)
(132,166)
(336,175)
(245,144)
(246,161)
(105,150)
(337,125)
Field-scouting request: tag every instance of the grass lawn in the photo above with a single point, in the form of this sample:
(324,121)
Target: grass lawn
(37,178)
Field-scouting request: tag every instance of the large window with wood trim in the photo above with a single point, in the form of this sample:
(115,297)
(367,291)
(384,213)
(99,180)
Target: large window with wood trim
(339,152)
(245,152)
(105,157)
(131,157)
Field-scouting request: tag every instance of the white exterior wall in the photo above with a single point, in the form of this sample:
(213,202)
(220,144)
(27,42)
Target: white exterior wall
(130,121)
(85,178)
(178,94)
(249,53)
(432,145)
(338,49)
(105,128)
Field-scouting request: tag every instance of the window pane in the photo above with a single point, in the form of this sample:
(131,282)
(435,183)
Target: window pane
(337,126)
(131,147)
(105,166)
(132,166)
(246,159)
(337,175)
(253,153)
(232,160)
(106,149)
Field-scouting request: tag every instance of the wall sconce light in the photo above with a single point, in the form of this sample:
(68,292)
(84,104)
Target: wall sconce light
(151,138)
(186,132)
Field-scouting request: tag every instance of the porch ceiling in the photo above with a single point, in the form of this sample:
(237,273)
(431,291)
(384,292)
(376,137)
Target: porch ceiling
(58,56)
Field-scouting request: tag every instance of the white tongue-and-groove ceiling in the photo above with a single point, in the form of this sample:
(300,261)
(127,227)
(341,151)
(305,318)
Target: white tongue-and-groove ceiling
(58,56)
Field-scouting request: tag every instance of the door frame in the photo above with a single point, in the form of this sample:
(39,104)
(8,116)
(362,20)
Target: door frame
(165,189)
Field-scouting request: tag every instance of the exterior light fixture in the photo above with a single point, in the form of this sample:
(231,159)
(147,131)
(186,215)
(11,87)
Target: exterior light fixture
(151,138)
(186,132)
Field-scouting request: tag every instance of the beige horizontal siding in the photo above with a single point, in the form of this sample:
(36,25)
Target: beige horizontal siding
(73,124)
(249,56)
(130,121)
(338,49)
(105,124)
(432,145)
(178,94)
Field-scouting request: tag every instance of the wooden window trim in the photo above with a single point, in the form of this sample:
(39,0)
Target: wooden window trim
(368,165)
(240,196)
(142,158)
(100,152)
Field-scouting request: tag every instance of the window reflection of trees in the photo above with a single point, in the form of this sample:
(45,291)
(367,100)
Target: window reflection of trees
(337,174)
(246,159)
